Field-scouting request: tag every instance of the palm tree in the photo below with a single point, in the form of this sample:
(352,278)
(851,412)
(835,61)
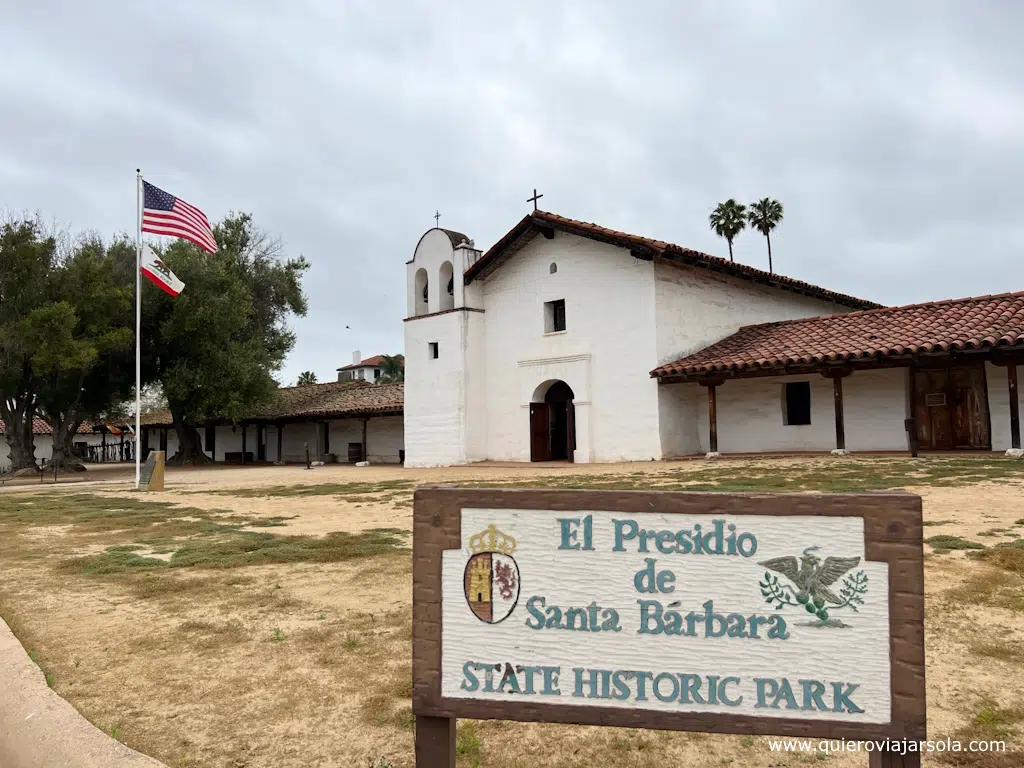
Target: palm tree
(764,216)
(728,220)
(392,369)
(306,378)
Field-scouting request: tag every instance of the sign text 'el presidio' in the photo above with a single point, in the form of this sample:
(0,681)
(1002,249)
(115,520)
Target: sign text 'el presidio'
(705,605)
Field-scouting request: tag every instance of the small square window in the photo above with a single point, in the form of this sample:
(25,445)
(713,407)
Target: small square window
(798,403)
(554,316)
(433,350)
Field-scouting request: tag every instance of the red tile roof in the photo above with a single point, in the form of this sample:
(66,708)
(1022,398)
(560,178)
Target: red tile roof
(333,399)
(40,427)
(376,360)
(645,248)
(978,322)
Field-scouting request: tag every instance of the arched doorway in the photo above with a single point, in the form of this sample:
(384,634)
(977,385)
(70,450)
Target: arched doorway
(552,423)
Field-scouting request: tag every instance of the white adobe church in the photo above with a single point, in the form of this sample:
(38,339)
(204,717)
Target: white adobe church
(571,341)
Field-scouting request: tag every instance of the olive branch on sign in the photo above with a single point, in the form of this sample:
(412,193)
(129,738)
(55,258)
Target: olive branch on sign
(773,592)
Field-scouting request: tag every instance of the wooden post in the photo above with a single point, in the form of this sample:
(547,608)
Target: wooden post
(911,423)
(243,443)
(1011,377)
(712,419)
(366,453)
(894,760)
(435,742)
(280,431)
(122,444)
(103,444)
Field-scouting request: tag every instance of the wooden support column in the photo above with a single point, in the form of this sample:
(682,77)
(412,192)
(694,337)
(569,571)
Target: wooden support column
(122,444)
(366,452)
(103,445)
(837,376)
(1011,377)
(712,385)
(243,442)
(280,433)
(837,394)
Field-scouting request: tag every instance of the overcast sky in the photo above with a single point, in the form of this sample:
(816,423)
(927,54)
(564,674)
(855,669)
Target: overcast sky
(893,133)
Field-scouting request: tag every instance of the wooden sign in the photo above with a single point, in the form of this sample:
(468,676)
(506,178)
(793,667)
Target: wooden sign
(151,477)
(776,614)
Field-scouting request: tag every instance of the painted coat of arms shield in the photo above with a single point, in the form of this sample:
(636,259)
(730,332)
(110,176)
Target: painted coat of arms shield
(491,578)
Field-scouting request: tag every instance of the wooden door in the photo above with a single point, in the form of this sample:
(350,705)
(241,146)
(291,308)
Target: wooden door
(570,430)
(952,408)
(934,423)
(540,439)
(969,408)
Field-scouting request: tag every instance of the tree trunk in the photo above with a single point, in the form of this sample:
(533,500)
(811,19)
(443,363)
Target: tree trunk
(64,431)
(18,432)
(769,239)
(729,241)
(190,445)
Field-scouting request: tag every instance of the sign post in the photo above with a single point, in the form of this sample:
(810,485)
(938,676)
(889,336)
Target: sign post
(151,478)
(765,614)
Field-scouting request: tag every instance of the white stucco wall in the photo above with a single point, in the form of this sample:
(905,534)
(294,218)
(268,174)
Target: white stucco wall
(385,437)
(696,308)
(750,414)
(604,354)
(999,403)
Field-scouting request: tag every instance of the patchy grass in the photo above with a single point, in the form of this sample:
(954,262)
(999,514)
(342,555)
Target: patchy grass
(322,489)
(946,543)
(938,522)
(1003,650)
(236,549)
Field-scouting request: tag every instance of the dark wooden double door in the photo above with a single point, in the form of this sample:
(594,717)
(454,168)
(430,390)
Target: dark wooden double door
(951,408)
(553,425)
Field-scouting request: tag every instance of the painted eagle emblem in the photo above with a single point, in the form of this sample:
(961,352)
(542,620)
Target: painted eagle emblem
(811,576)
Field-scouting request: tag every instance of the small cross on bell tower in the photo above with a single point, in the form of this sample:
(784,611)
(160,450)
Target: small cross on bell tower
(534,199)
(437,218)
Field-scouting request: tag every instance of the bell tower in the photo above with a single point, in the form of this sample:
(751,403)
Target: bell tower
(444,336)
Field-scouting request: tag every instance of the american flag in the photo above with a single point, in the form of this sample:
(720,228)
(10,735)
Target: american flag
(165,214)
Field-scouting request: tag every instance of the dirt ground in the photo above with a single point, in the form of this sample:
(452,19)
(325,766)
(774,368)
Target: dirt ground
(284,639)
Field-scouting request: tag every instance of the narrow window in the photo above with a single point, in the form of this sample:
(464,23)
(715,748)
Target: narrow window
(554,316)
(798,403)
(554,267)
(433,350)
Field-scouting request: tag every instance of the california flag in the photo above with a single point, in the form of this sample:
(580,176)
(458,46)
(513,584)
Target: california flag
(158,273)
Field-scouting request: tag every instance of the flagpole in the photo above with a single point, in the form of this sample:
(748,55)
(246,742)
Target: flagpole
(138,326)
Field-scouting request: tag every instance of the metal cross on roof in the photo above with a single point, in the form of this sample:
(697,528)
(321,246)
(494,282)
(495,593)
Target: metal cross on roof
(534,199)
(437,218)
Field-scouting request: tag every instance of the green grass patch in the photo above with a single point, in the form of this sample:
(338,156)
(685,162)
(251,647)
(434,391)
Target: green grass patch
(952,542)
(233,548)
(321,489)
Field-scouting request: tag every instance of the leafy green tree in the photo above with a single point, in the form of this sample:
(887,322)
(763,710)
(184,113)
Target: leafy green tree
(27,254)
(728,220)
(306,379)
(764,216)
(215,347)
(83,336)
(392,369)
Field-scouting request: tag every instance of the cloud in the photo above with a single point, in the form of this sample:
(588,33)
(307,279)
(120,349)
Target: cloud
(892,134)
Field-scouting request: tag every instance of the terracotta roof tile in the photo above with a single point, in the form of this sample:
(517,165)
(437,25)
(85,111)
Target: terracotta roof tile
(649,248)
(375,360)
(333,399)
(40,427)
(973,323)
